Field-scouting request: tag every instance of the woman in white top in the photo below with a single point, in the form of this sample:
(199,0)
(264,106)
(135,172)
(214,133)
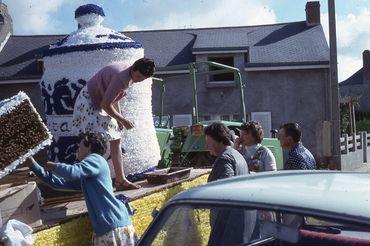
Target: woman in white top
(258,157)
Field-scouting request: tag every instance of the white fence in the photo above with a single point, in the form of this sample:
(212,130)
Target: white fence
(355,150)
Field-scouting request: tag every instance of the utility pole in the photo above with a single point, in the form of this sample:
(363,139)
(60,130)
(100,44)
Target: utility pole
(333,78)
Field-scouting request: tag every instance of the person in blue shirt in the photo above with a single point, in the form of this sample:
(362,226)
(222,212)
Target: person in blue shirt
(108,216)
(299,158)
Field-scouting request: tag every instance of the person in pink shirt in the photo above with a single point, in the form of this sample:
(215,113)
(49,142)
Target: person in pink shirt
(97,108)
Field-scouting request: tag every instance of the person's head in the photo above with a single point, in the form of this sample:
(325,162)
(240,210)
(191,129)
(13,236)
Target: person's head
(218,137)
(91,143)
(142,69)
(251,133)
(289,135)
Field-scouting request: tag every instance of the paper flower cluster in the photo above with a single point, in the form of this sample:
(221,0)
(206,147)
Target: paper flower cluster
(22,133)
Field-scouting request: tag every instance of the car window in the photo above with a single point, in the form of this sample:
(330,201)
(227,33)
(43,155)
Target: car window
(206,225)
(212,226)
(185,226)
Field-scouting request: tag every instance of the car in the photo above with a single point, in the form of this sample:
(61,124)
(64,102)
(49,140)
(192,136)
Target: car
(270,208)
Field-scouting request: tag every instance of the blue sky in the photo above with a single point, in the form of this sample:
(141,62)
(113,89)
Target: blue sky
(57,17)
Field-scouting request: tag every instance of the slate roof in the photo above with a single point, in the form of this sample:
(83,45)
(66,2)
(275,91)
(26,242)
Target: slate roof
(18,57)
(227,39)
(292,43)
(356,79)
(356,86)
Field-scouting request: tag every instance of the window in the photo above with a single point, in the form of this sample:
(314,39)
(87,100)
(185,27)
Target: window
(227,60)
(225,117)
(236,117)
(166,121)
(224,225)
(2,20)
(205,118)
(264,118)
(182,120)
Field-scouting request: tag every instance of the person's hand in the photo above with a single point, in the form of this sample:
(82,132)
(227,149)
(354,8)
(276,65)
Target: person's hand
(237,144)
(126,124)
(30,161)
(254,168)
(120,125)
(49,166)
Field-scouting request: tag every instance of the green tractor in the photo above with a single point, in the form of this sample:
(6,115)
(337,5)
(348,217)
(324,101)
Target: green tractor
(185,145)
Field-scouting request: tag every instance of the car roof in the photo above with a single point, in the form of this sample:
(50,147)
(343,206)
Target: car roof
(335,192)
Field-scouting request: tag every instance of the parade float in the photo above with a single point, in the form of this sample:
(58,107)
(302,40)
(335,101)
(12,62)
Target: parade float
(69,64)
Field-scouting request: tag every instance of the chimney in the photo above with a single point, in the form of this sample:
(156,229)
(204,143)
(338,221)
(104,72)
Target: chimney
(313,13)
(366,65)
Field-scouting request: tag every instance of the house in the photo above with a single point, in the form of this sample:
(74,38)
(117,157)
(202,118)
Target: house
(284,67)
(358,86)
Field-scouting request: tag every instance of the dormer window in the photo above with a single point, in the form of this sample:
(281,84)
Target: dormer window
(226,60)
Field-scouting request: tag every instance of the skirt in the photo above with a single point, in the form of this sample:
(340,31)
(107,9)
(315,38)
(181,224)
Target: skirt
(88,119)
(120,236)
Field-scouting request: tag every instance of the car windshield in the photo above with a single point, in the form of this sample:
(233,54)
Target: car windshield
(206,225)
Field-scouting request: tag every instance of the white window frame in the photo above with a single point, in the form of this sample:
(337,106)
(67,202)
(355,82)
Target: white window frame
(178,120)
(266,130)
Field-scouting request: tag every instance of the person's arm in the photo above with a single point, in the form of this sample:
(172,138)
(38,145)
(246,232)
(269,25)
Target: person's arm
(269,161)
(117,107)
(108,103)
(239,146)
(84,169)
(53,180)
(295,163)
(111,107)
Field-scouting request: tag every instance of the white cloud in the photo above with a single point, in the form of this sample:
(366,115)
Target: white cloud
(35,16)
(348,65)
(205,13)
(131,28)
(353,27)
(353,37)
(350,28)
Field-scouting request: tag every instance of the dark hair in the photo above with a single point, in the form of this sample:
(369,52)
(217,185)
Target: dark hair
(145,66)
(96,141)
(254,128)
(292,130)
(219,132)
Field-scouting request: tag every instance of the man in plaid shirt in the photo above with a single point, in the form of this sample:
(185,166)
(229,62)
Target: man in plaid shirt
(299,157)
